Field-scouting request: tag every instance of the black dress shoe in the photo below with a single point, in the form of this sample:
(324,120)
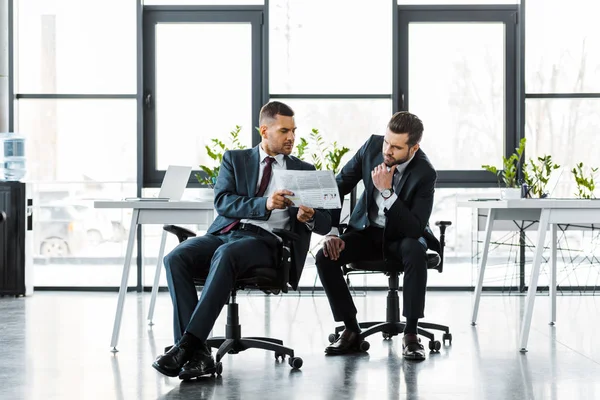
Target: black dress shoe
(170,363)
(347,343)
(201,363)
(412,349)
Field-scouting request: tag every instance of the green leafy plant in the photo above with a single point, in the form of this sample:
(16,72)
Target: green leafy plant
(585,185)
(508,176)
(215,151)
(323,156)
(536,174)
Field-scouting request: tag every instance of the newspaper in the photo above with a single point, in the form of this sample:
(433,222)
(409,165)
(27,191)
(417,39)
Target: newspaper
(315,189)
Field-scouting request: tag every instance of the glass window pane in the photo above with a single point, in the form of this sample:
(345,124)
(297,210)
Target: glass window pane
(562,46)
(79,140)
(76,46)
(198,97)
(202,2)
(75,244)
(349,122)
(456,2)
(564,129)
(78,151)
(335,46)
(456,83)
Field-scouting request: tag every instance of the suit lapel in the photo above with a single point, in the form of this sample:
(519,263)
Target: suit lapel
(400,185)
(252,166)
(292,163)
(371,187)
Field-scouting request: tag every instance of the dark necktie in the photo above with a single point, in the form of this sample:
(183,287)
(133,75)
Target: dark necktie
(264,183)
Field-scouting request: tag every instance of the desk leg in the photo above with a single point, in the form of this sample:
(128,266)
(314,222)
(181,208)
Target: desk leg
(124,279)
(553,270)
(161,253)
(535,274)
(489,226)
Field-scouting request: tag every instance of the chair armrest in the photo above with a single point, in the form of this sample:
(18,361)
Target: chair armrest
(286,235)
(181,233)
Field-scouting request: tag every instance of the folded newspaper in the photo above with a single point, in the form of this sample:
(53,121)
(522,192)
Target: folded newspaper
(315,189)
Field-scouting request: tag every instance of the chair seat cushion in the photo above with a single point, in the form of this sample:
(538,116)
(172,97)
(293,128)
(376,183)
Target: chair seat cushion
(392,265)
(259,277)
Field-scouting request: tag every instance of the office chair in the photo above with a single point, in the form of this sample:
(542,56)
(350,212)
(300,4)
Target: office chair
(392,325)
(269,280)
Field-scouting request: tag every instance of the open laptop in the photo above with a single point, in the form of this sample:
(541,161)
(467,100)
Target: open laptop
(172,187)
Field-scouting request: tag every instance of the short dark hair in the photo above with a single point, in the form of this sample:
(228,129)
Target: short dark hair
(405,122)
(274,108)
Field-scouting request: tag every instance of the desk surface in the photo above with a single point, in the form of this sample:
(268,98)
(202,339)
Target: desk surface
(531,203)
(155,205)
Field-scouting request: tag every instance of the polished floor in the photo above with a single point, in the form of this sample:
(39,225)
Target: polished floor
(55,345)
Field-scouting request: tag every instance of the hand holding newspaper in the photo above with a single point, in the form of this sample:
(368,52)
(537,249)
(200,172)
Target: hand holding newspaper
(316,189)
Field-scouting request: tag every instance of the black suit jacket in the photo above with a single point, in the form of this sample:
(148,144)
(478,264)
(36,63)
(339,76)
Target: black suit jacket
(234,199)
(408,217)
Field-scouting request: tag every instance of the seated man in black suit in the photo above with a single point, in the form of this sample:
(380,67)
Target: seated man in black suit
(389,221)
(239,239)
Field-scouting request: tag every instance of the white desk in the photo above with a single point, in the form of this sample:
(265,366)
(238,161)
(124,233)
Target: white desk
(549,213)
(154,212)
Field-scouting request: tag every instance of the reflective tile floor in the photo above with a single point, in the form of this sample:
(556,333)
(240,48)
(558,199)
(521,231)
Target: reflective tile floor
(55,345)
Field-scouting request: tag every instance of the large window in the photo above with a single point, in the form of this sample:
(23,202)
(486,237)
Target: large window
(202,78)
(333,67)
(76,91)
(563,86)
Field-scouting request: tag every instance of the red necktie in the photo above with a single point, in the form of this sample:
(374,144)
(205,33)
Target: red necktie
(264,183)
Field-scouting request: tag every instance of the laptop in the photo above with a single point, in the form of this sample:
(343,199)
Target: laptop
(172,187)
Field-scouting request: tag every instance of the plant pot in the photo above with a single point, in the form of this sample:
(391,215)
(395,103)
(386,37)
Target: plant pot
(206,194)
(510,193)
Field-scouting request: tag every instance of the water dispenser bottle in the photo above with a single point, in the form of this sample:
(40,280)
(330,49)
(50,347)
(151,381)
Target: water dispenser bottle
(12,157)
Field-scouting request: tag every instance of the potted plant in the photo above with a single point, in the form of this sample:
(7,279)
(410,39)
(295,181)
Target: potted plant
(215,151)
(508,176)
(536,175)
(322,156)
(585,185)
(328,157)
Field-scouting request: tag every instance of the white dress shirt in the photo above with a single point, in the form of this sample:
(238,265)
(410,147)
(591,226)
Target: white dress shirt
(279,219)
(377,214)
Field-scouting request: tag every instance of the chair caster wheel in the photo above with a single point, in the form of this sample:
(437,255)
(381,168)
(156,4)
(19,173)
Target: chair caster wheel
(386,336)
(364,346)
(333,337)
(219,368)
(295,362)
(435,345)
(277,355)
(448,337)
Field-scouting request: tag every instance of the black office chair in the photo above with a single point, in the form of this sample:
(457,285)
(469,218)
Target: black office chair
(392,325)
(269,280)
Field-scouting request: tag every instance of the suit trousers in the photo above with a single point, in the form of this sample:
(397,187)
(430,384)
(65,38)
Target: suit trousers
(367,245)
(224,258)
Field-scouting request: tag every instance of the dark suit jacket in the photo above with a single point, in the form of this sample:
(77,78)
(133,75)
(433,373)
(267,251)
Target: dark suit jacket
(409,215)
(234,199)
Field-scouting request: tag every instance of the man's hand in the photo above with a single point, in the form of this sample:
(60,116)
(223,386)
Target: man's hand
(278,200)
(382,178)
(333,246)
(305,214)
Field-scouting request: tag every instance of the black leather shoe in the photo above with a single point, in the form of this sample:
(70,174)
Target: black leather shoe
(412,349)
(347,343)
(170,363)
(201,363)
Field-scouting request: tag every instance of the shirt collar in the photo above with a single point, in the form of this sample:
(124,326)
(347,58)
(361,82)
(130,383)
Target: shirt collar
(401,167)
(279,158)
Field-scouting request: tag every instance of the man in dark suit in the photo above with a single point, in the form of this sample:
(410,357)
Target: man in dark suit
(390,221)
(249,207)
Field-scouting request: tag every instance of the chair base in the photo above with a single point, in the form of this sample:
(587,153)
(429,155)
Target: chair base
(233,342)
(393,326)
